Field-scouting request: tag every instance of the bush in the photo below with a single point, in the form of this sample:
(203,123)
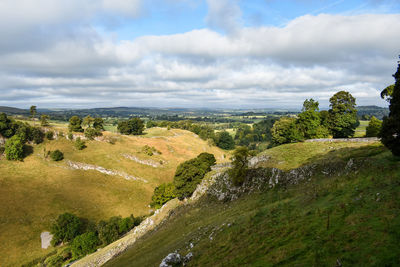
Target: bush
(75,124)
(150,151)
(285,131)
(79,144)
(56,155)
(14,148)
(91,133)
(66,228)
(190,173)
(50,135)
(109,230)
(374,127)
(84,244)
(37,135)
(224,140)
(162,194)
(70,136)
(240,167)
(133,126)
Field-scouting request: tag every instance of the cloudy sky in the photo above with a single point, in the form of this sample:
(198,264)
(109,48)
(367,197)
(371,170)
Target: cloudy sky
(195,53)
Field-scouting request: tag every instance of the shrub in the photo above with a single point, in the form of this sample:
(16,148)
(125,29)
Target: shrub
(79,144)
(224,140)
(70,136)
(14,148)
(162,194)
(91,133)
(66,228)
(240,167)
(150,151)
(190,173)
(50,135)
(84,244)
(285,131)
(37,135)
(108,230)
(374,127)
(56,155)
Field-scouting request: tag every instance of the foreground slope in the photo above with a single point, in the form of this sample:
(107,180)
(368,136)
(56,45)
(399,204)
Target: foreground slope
(34,192)
(345,210)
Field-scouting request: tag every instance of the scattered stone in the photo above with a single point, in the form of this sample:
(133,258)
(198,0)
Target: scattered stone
(187,258)
(171,260)
(46,238)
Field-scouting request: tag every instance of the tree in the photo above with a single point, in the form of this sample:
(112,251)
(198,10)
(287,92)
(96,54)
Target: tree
(310,104)
(44,120)
(37,135)
(56,155)
(84,244)
(343,115)
(14,148)
(387,93)
(6,126)
(108,230)
(33,111)
(133,126)
(79,144)
(162,194)
(240,167)
(98,124)
(190,173)
(224,140)
(66,228)
(285,130)
(88,120)
(390,132)
(91,133)
(374,127)
(75,124)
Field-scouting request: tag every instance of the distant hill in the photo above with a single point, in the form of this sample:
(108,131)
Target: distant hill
(376,111)
(13,111)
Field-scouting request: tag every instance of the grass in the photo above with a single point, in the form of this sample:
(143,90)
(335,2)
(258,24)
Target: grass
(361,129)
(352,218)
(34,192)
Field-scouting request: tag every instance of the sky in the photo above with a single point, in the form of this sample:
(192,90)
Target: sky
(195,53)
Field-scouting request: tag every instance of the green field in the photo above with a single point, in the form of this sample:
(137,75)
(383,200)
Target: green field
(361,129)
(35,191)
(353,219)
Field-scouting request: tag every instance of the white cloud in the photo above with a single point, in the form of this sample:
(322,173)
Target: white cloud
(224,15)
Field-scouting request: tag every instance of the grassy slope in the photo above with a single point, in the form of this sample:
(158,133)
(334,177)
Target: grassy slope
(353,218)
(34,192)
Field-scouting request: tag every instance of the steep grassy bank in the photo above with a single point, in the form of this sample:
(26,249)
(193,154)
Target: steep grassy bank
(34,192)
(352,218)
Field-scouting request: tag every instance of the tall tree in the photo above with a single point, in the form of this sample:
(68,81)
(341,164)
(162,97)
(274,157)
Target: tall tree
(390,133)
(387,93)
(33,111)
(44,120)
(343,114)
(75,124)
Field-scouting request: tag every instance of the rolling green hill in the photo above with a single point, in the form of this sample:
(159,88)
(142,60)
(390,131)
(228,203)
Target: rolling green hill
(335,204)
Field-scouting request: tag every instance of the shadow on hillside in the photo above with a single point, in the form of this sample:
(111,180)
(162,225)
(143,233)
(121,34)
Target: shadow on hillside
(28,150)
(347,153)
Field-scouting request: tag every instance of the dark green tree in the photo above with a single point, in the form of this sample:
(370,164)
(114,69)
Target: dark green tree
(310,104)
(98,124)
(162,194)
(33,111)
(108,230)
(224,140)
(343,115)
(75,124)
(374,127)
(66,228)
(285,130)
(390,132)
(387,93)
(79,144)
(88,121)
(56,155)
(133,126)
(240,164)
(91,133)
(84,244)
(190,173)
(6,126)
(44,120)
(14,148)
(37,135)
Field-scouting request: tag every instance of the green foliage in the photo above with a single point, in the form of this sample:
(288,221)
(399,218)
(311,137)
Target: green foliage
(91,133)
(374,127)
(66,228)
(70,136)
(343,115)
(98,124)
(190,173)
(7,126)
(150,150)
(84,244)
(37,135)
(109,230)
(33,111)
(88,120)
(44,120)
(56,155)
(390,133)
(310,105)
(75,124)
(240,167)
(151,124)
(387,93)
(285,130)
(50,135)
(79,144)
(14,148)
(162,194)
(224,140)
(132,126)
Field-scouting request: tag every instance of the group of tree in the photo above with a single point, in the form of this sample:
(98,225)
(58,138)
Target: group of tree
(133,126)
(390,132)
(250,136)
(187,176)
(17,135)
(93,126)
(84,237)
(340,121)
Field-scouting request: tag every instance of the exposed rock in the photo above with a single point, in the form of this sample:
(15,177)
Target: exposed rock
(171,260)
(86,167)
(46,238)
(187,258)
(151,163)
(332,140)
(255,160)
